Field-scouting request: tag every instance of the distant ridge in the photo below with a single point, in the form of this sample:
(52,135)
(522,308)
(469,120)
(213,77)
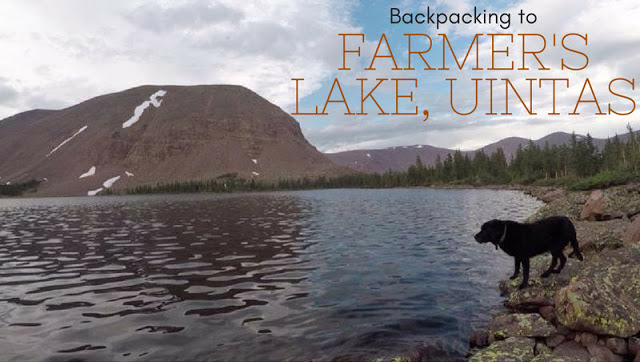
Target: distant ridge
(400,158)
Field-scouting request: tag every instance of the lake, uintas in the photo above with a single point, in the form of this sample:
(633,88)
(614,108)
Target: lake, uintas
(309,275)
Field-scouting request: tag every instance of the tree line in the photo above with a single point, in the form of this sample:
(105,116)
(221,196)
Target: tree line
(578,164)
(19,188)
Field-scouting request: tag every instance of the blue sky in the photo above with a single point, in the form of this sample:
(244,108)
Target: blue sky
(56,54)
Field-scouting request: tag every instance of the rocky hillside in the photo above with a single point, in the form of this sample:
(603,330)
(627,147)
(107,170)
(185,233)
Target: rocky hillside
(591,310)
(394,158)
(152,134)
(400,158)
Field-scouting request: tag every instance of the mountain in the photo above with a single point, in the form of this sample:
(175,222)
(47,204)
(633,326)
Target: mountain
(152,134)
(400,158)
(393,158)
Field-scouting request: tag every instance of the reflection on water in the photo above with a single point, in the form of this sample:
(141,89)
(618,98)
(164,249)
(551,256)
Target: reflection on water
(279,276)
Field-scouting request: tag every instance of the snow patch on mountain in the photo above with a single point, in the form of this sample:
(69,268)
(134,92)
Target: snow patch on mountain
(94,192)
(67,140)
(154,100)
(107,184)
(91,172)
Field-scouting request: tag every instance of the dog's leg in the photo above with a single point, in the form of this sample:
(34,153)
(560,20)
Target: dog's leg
(554,260)
(525,273)
(516,268)
(563,260)
(574,243)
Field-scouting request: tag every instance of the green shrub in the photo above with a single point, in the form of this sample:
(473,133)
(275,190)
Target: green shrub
(605,179)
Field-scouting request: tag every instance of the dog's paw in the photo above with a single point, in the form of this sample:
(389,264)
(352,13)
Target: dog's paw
(556,271)
(576,256)
(544,275)
(514,276)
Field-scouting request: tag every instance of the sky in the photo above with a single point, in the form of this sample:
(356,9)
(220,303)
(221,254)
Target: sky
(58,53)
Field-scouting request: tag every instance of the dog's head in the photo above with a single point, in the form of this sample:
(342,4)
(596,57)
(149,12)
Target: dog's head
(491,232)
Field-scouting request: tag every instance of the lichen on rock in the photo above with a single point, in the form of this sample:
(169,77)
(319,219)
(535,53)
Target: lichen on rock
(604,297)
(541,291)
(520,325)
(508,350)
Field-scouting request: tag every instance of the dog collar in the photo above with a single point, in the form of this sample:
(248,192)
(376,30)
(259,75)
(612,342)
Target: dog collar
(504,235)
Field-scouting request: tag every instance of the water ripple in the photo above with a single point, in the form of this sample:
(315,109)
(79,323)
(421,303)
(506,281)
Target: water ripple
(300,275)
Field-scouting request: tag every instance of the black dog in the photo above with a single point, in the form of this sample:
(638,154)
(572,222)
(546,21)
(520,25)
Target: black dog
(523,241)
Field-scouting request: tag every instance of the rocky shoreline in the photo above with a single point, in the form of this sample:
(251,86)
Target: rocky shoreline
(590,311)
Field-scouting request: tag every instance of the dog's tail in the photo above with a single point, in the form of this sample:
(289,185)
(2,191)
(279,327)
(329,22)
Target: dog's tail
(574,244)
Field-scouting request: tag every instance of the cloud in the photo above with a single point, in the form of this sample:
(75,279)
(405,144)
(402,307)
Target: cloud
(612,51)
(98,47)
(56,54)
(7,93)
(185,17)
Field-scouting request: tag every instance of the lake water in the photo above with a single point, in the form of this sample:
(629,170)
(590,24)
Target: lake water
(312,275)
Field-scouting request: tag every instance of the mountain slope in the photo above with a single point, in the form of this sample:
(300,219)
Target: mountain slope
(153,134)
(394,158)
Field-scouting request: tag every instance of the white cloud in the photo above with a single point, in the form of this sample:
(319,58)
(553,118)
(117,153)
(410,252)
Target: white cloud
(57,53)
(614,39)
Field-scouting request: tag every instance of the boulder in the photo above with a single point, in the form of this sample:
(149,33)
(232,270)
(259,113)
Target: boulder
(479,338)
(623,200)
(569,205)
(632,234)
(552,195)
(617,345)
(593,209)
(555,340)
(542,348)
(541,291)
(508,350)
(554,358)
(520,325)
(634,346)
(573,351)
(586,338)
(602,354)
(563,330)
(604,297)
(533,297)
(548,312)
(602,235)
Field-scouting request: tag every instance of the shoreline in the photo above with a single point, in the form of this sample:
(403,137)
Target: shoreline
(591,310)
(529,190)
